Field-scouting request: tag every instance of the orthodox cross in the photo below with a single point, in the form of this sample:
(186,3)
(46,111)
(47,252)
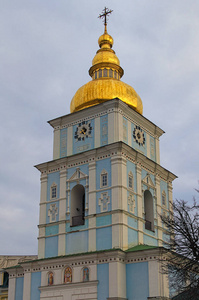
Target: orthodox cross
(104,15)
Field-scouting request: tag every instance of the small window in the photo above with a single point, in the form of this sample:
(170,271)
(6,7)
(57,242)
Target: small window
(105,73)
(110,73)
(163,198)
(130,183)
(95,76)
(104,179)
(100,73)
(53,191)
(115,74)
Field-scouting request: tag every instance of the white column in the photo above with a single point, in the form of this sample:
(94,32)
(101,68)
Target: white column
(27,286)
(139,203)
(119,194)
(56,143)
(117,280)
(157,150)
(129,134)
(62,196)
(154,288)
(41,243)
(92,206)
(43,198)
(159,211)
(12,287)
(170,195)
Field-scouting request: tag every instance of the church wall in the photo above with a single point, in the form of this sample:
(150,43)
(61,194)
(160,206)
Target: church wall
(63,142)
(35,283)
(108,126)
(19,288)
(87,143)
(132,237)
(103,130)
(53,178)
(77,242)
(104,238)
(103,220)
(51,246)
(137,281)
(103,285)
(141,148)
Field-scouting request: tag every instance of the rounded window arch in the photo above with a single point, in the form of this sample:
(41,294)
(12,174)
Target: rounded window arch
(77,209)
(148,208)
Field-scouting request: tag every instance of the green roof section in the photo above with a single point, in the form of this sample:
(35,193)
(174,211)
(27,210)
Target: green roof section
(141,247)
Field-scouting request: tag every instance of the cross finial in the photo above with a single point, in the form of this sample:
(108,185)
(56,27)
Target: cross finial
(104,15)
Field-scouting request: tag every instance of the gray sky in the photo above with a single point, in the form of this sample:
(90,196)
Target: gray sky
(45,52)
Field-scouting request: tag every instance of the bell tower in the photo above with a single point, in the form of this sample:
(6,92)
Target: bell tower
(104,188)
(102,194)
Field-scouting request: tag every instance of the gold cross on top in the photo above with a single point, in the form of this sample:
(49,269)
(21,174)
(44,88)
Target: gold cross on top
(105,14)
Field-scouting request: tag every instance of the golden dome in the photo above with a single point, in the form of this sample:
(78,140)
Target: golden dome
(105,85)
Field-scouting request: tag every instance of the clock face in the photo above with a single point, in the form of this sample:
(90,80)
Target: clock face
(138,136)
(83,131)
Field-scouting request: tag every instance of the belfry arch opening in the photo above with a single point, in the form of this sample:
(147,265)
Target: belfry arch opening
(77,209)
(148,208)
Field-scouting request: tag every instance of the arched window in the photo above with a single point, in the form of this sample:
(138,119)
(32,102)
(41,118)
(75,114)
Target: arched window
(103,179)
(115,74)
(50,278)
(163,198)
(95,75)
(77,208)
(68,275)
(148,207)
(53,191)
(85,274)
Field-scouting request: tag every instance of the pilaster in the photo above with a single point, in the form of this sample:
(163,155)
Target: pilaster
(159,211)
(92,188)
(12,287)
(61,239)
(27,285)
(157,148)
(62,201)
(139,203)
(56,143)
(43,198)
(117,280)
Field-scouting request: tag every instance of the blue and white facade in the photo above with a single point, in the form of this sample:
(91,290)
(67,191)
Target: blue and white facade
(100,232)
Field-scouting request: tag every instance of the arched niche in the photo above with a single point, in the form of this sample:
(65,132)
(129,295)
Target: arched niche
(77,208)
(148,208)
